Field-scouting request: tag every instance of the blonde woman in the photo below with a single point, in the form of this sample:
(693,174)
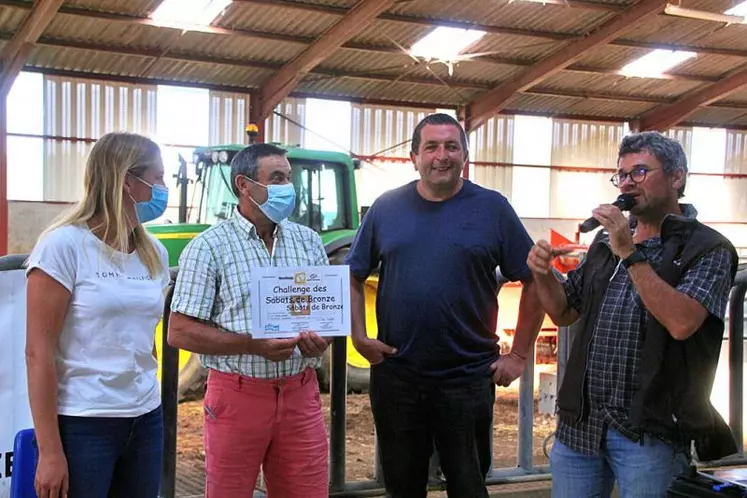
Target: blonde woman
(95,292)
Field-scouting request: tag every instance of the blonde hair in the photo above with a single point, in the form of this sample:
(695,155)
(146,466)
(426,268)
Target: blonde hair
(111,158)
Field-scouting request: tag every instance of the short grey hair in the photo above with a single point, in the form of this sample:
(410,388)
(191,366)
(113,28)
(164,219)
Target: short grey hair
(246,162)
(667,151)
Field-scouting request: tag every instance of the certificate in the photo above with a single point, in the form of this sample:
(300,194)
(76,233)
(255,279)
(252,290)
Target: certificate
(288,300)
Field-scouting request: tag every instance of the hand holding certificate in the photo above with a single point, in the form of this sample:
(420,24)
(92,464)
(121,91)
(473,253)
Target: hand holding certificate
(287,301)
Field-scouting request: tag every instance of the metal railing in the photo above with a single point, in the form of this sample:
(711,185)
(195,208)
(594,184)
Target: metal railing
(736,370)
(525,471)
(169,398)
(736,358)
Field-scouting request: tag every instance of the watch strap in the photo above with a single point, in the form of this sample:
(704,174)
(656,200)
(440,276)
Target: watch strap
(636,257)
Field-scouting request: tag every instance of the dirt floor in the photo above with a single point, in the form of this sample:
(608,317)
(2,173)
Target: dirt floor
(360,434)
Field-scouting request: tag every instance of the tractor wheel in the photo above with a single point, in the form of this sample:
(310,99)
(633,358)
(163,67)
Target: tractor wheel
(357,377)
(324,373)
(192,380)
(338,257)
(192,375)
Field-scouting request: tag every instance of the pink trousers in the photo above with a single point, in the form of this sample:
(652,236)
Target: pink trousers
(273,424)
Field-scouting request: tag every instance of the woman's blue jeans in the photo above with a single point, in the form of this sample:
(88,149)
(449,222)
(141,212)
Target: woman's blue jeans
(111,457)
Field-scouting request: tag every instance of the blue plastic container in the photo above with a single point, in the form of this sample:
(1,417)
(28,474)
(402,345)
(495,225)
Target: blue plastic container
(25,456)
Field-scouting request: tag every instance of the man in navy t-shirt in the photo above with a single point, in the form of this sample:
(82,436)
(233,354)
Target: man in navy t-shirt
(439,242)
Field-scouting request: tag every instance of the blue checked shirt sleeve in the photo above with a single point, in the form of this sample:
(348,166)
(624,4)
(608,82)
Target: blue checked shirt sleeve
(572,286)
(708,281)
(197,281)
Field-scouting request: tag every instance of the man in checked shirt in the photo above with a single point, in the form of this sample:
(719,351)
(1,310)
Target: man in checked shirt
(262,405)
(651,296)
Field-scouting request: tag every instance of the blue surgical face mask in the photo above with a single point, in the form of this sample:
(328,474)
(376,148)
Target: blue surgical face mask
(150,210)
(281,200)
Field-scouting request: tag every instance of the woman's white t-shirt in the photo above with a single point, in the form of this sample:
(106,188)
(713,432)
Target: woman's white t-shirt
(104,357)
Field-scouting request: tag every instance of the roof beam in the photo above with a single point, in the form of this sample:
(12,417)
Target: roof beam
(644,99)
(180,56)
(500,30)
(729,52)
(281,83)
(332,9)
(423,21)
(13,56)
(548,35)
(335,73)
(303,40)
(664,117)
(357,100)
(478,111)
(340,11)
(16,52)
(323,73)
(134,80)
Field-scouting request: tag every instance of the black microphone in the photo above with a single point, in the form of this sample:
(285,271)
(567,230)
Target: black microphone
(623,201)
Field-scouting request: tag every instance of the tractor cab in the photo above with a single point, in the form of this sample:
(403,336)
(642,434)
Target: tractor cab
(324,182)
(326,202)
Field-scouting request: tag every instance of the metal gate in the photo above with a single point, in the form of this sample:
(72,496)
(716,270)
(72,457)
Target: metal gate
(525,471)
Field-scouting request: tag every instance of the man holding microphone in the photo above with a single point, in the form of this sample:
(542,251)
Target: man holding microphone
(650,298)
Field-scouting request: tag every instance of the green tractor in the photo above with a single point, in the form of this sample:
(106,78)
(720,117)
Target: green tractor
(326,202)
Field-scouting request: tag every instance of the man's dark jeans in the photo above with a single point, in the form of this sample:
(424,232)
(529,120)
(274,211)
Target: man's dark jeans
(411,416)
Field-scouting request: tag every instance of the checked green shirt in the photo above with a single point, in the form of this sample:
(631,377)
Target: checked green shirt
(214,285)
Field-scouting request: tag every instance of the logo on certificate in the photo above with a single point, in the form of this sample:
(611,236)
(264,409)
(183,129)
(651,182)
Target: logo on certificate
(300,305)
(299,278)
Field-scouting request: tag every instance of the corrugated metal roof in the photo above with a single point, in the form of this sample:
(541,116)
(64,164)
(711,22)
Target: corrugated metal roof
(576,106)
(134,7)
(709,5)
(90,43)
(502,13)
(618,85)
(612,56)
(335,3)
(209,73)
(606,108)
(738,122)
(277,19)
(717,115)
(733,37)
(615,57)
(740,96)
(237,47)
(377,90)
(385,33)
(100,31)
(470,71)
(358,62)
(710,65)
(670,29)
(11,19)
(517,47)
(88,61)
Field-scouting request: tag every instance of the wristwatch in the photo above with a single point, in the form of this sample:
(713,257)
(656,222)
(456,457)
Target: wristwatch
(636,257)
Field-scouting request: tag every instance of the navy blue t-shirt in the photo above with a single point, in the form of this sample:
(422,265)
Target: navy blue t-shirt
(437,296)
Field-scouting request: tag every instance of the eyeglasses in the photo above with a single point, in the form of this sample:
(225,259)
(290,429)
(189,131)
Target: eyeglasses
(636,175)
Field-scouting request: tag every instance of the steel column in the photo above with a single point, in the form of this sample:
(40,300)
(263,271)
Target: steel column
(338,393)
